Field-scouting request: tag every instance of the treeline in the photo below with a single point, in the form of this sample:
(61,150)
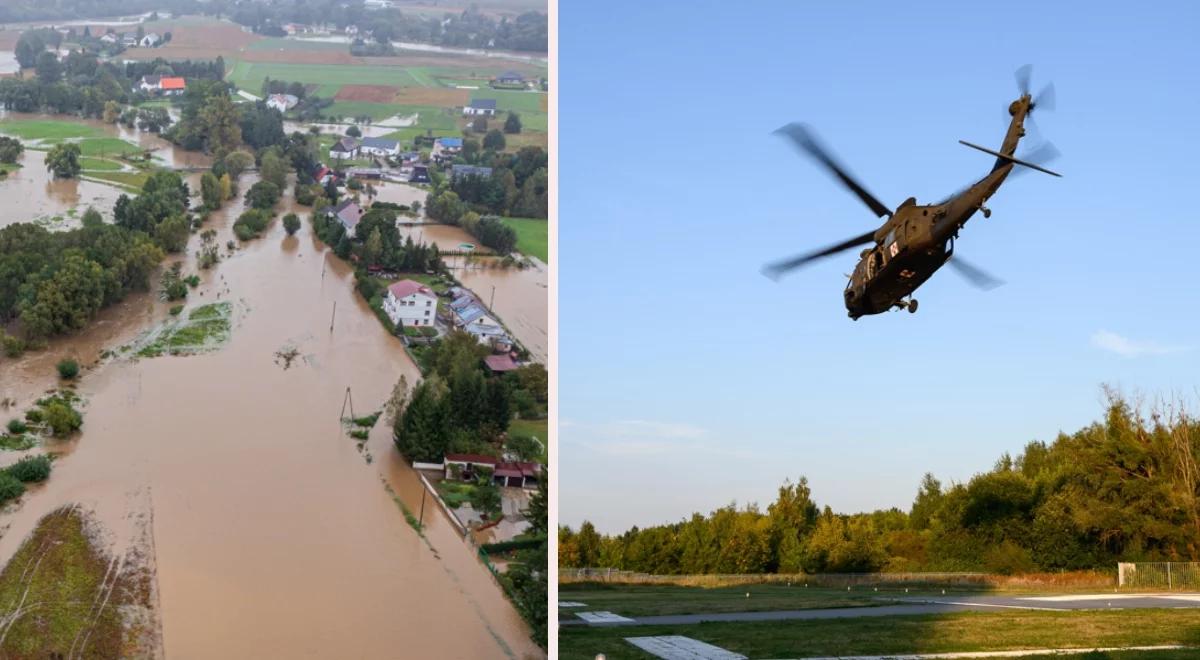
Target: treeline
(192,70)
(470,28)
(1126,488)
(18,11)
(459,406)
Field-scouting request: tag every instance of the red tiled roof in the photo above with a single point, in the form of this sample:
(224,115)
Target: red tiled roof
(518,469)
(470,458)
(499,363)
(405,288)
(173,83)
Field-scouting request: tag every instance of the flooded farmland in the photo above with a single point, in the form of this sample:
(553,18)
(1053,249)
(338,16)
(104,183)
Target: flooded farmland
(273,533)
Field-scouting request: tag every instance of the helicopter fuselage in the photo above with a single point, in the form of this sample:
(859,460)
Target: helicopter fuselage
(917,240)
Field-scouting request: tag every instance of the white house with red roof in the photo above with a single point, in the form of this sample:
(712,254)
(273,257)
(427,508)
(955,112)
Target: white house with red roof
(409,303)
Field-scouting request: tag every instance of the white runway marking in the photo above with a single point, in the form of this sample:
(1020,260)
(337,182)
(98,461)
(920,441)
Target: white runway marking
(602,617)
(1006,607)
(570,603)
(1068,599)
(676,647)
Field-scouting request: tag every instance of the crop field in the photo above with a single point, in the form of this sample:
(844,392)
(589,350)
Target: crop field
(532,237)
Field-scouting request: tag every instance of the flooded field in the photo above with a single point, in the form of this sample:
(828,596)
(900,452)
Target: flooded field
(8,62)
(273,535)
(31,191)
(520,295)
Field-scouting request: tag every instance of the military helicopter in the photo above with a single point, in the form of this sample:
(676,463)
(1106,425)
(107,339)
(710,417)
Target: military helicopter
(916,240)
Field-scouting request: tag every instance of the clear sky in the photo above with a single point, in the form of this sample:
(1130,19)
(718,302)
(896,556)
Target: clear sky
(689,381)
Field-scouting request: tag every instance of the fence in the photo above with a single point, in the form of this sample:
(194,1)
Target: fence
(1159,575)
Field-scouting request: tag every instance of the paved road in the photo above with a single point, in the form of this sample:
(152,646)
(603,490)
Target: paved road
(932,605)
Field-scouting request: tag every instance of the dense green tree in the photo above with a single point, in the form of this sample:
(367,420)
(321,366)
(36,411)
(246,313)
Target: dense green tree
(494,140)
(274,168)
(10,149)
(210,191)
(291,223)
(263,195)
(512,125)
(63,160)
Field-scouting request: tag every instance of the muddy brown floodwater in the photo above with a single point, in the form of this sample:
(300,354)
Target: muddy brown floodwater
(273,535)
(521,296)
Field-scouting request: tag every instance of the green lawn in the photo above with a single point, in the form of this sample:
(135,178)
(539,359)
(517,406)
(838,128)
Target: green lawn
(526,104)
(532,236)
(945,633)
(350,109)
(99,164)
(132,180)
(281,43)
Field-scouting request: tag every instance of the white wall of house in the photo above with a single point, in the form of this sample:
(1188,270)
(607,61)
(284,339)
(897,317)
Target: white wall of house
(411,310)
(380,152)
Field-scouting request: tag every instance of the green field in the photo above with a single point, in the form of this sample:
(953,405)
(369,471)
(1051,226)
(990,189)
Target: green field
(250,75)
(280,43)
(535,427)
(99,164)
(532,236)
(944,633)
(48,129)
(350,109)
(132,180)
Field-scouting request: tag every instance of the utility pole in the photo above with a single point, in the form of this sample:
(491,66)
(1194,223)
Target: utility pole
(493,300)
(347,399)
(332,316)
(421,518)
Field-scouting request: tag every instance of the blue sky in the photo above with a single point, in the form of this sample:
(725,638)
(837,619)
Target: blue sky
(689,381)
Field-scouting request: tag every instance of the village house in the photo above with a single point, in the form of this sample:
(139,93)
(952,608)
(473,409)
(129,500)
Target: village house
(162,85)
(379,147)
(344,149)
(150,40)
(410,303)
(324,175)
(282,102)
(446,147)
(129,40)
(110,38)
(419,174)
(511,78)
(348,213)
(481,107)
(499,364)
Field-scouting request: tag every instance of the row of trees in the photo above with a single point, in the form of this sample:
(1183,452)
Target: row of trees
(1126,488)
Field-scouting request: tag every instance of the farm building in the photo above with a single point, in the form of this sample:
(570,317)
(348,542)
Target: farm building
(365,173)
(446,147)
(110,38)
(485,107)
(499,364)
(344,149)
(511,474)
(379,147)
(348,213)
(282,102)
(410,303)
(324,175)
(150,40)
(457,171)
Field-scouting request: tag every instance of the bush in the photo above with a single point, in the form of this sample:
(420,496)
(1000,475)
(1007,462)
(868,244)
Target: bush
(525,447)
(13,346)
(360,434)
(175,310)
(10,487)
(30,468)
(34,416)
(251,224)
(17,427)
(429,331)
(262,195)
(68,369)
(486,499)
(62,418)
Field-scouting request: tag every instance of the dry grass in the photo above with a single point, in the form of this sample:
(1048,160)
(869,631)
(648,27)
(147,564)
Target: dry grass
(368,93)
(440,97)
(1075,580)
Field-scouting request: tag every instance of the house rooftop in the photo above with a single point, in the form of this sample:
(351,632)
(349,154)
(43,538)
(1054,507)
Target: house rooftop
(510,75)
(380,143)
(484,104)
(174,83)
(450,141)
(406,288)
(471,458)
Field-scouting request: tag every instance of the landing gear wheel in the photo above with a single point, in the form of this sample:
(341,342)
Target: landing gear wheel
(987,213)
(912,306)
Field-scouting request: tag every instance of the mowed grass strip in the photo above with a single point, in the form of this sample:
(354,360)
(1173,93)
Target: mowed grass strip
(532,236)
(944,633)
(131,180)
(654,600)
(99,164)
(49,591)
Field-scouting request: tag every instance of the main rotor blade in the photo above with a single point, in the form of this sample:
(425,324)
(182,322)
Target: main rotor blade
(1023,74)
(976,276)
(1039,155)
(807,142)
(779,268)
(1046,99)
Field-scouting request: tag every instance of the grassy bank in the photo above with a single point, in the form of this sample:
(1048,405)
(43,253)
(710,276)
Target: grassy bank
(59,590)
(533,236)
(967,631)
